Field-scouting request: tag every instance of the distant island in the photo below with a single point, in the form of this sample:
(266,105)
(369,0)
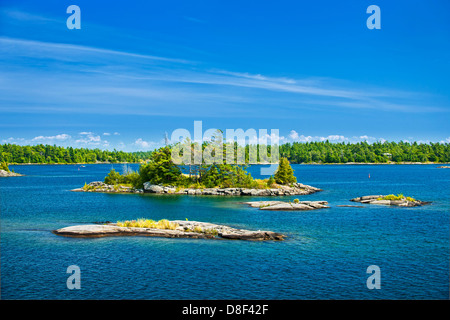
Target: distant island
(323,152)
(162,176)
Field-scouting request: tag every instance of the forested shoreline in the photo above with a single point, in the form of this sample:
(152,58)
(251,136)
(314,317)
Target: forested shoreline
(52,154)
(323,152)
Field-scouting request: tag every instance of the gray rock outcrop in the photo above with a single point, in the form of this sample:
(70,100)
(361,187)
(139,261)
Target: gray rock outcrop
(293,189)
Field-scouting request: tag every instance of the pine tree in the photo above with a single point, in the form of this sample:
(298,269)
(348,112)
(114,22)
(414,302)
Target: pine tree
(285,173)
(270,181)
(160,169)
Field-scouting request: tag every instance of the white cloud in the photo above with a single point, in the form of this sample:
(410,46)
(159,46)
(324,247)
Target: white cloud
(146,145)
(334,137)
(13,140)
(293,135)
(59,137)
(141,143)
(89,139)
(106,134)
(116,134)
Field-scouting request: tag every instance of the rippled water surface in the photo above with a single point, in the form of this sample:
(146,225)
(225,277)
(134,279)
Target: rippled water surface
(325,255)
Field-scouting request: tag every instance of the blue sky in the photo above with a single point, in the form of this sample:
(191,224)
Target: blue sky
(135,70)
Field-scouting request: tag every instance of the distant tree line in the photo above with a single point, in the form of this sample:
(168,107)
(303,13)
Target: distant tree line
(363,152)
(48,154)
(310,152)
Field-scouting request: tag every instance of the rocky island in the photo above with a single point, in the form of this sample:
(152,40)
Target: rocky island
(296,205)
(390,200)
(293,189)
(167,229)
(162,176)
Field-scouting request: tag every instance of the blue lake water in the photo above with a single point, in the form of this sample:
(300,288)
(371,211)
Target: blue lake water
(325,255)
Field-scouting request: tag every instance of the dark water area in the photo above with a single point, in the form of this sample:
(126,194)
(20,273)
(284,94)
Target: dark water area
(325,256)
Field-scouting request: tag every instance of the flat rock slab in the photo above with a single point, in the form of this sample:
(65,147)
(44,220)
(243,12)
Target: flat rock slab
(184,230)
(399,203)
(288,206)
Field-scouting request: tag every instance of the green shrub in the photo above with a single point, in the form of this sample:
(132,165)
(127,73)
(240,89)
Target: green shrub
(113,177)
(132,178)
(400,196)
(213,232)
(4,166)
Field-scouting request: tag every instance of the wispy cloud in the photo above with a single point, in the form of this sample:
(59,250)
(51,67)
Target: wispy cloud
(83,139)
(294,136)
(49,139)
(74,49)
(24,16)
(192,19)
(84,79)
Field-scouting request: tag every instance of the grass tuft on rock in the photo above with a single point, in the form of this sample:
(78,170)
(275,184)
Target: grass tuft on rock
(148,223)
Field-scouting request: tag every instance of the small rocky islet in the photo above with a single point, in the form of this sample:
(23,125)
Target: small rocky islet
(184,229)
(288,206)
(384,200)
